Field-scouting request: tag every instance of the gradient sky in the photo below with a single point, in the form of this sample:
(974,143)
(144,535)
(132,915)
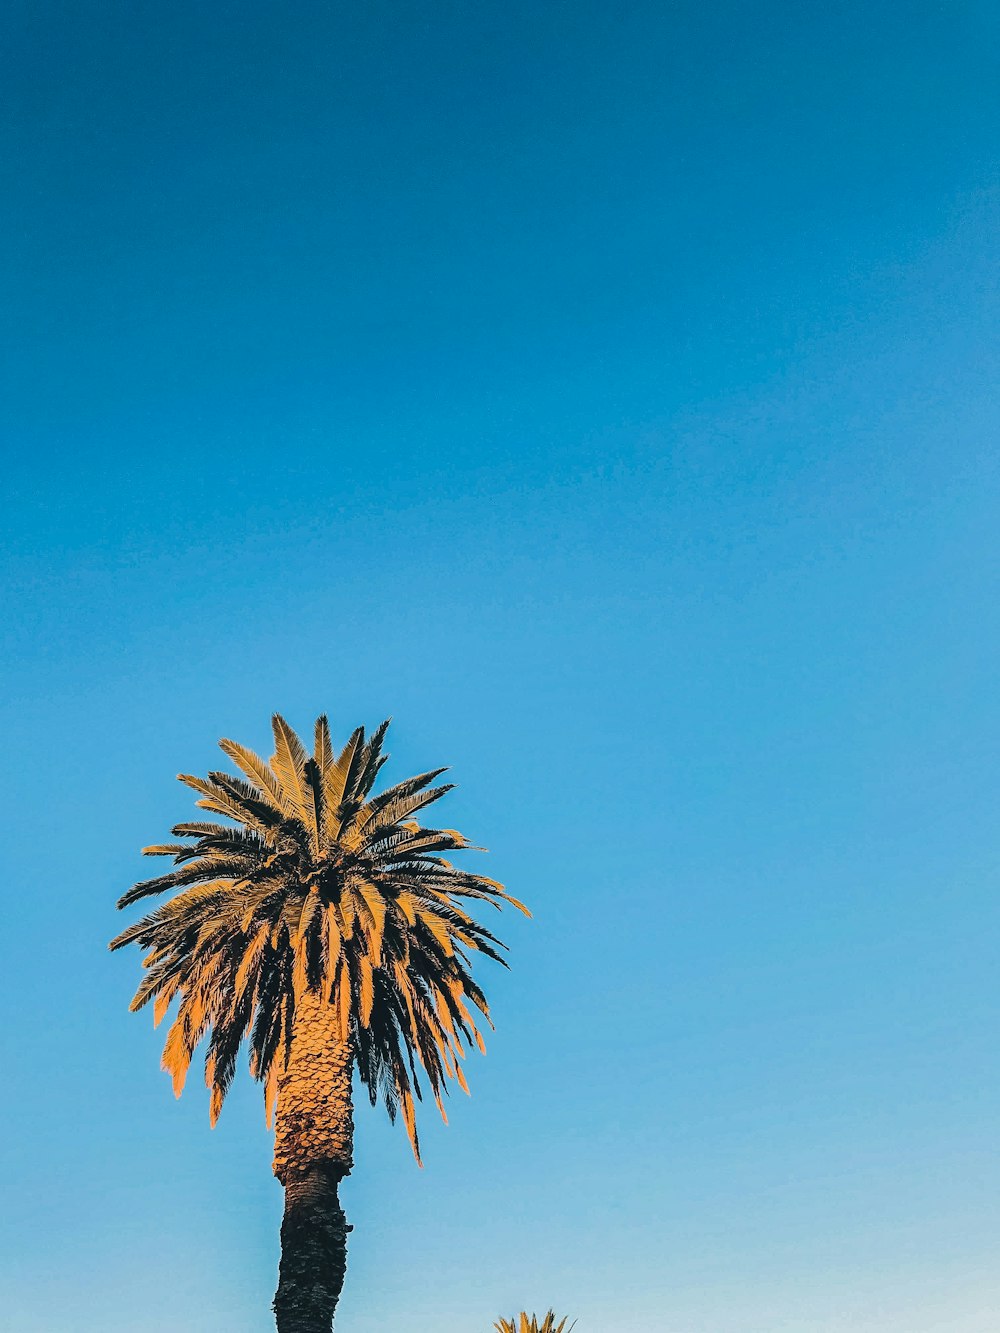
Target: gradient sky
(609,394)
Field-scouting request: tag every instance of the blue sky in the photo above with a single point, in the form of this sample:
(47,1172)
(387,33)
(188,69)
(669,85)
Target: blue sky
(610,396)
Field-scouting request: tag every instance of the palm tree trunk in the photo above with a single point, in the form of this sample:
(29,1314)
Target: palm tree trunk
(313,1254)
(314,1133)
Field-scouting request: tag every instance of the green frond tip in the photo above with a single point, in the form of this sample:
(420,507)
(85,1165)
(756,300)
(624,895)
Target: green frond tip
(529,1324)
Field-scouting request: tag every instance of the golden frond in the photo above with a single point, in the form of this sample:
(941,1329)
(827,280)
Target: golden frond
(271,1093)
(289,764)
(258,771)
(335,781)
(374,908)
(177,1056)
(343,998)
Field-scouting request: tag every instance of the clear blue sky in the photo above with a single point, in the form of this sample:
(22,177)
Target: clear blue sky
(608,393)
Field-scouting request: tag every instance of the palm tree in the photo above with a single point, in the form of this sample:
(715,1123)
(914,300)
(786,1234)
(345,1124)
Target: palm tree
(531,1325)
(324,927)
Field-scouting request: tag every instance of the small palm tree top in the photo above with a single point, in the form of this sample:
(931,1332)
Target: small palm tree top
(318,886)
(526,1324)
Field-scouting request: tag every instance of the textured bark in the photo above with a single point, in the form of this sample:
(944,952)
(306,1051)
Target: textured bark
(313,1254)
(313,1141)
(314,1122)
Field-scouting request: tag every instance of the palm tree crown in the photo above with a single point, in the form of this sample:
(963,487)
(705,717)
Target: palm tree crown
(530,1324)
(316,887)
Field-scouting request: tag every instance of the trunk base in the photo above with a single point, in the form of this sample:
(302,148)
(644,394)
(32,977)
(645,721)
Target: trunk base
(313,1253)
